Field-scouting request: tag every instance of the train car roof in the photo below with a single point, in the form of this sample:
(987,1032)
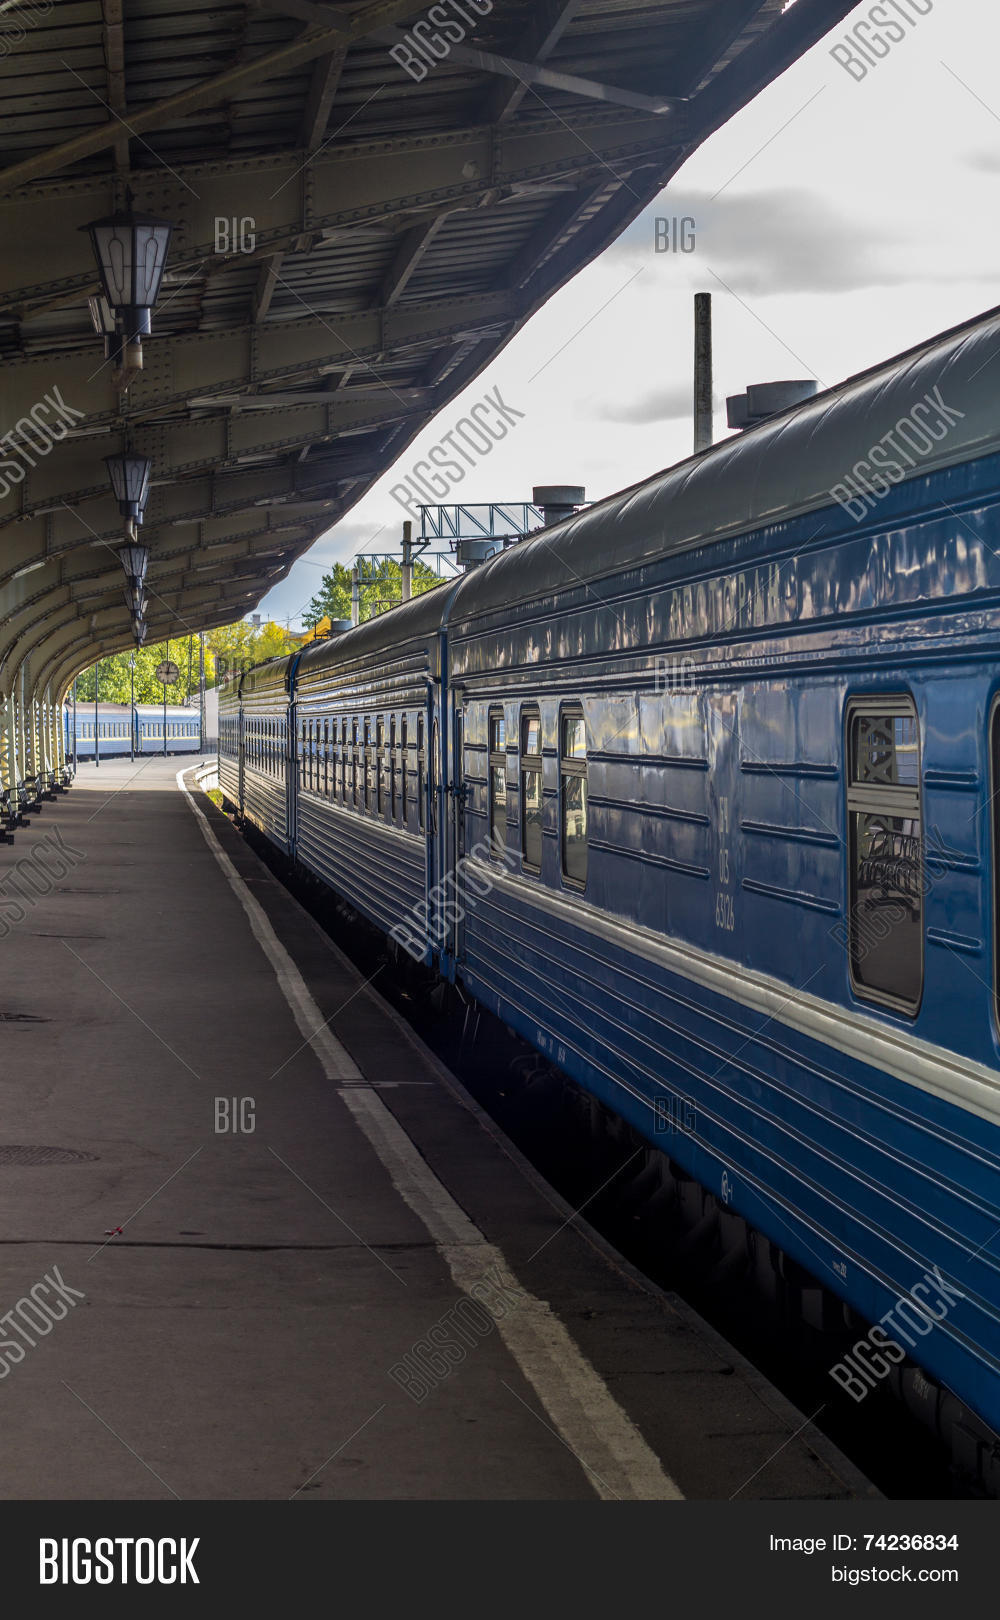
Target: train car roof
(784,468)
(411,622)
(172,708)
(268,677)
(84,704)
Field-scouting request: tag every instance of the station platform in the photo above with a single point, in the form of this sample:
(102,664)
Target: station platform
(365,1292)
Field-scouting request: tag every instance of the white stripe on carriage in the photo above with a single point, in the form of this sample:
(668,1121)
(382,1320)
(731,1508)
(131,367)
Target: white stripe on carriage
(906,1057)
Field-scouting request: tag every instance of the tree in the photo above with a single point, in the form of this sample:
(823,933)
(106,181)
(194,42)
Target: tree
(234,646)
(381,584)
(115,684)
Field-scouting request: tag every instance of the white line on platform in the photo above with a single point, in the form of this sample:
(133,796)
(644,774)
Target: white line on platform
(596,1429)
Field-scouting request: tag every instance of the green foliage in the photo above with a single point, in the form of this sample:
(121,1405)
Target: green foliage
(381,588)
(235,645)
(240,645)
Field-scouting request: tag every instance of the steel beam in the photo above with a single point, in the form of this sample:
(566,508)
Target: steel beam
(547,26)
(288,196)
(212,92)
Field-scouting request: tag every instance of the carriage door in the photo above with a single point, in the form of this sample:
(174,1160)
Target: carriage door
(240,723)
(290,752)
(456,828)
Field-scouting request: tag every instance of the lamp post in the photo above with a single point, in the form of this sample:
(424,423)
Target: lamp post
(74,724)
(166,660)
(131,708)
(97,727)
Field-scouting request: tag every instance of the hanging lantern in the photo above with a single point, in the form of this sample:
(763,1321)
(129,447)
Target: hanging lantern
(129,475)
(131,253)
(136,599)
(135,560)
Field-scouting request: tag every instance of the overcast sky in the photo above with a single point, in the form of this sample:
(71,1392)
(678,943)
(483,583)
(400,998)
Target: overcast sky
(835,222)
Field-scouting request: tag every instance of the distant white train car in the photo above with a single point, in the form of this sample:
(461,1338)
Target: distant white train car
(117,728)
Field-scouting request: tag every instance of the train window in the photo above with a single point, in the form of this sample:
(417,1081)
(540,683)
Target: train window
(498,779)
(531,789)
(404,771)
(302,761)
(421,772)
(369,795)
(326,758)
(885,853)
(573,794)
(354,763)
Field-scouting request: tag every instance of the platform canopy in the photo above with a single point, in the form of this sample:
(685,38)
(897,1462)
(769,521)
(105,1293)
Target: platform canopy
(393,229)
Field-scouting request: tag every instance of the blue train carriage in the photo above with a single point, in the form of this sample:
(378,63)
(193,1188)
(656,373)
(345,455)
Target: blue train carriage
(117,727)
(368,780)
(179,727)
(737,745)
(110,730)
